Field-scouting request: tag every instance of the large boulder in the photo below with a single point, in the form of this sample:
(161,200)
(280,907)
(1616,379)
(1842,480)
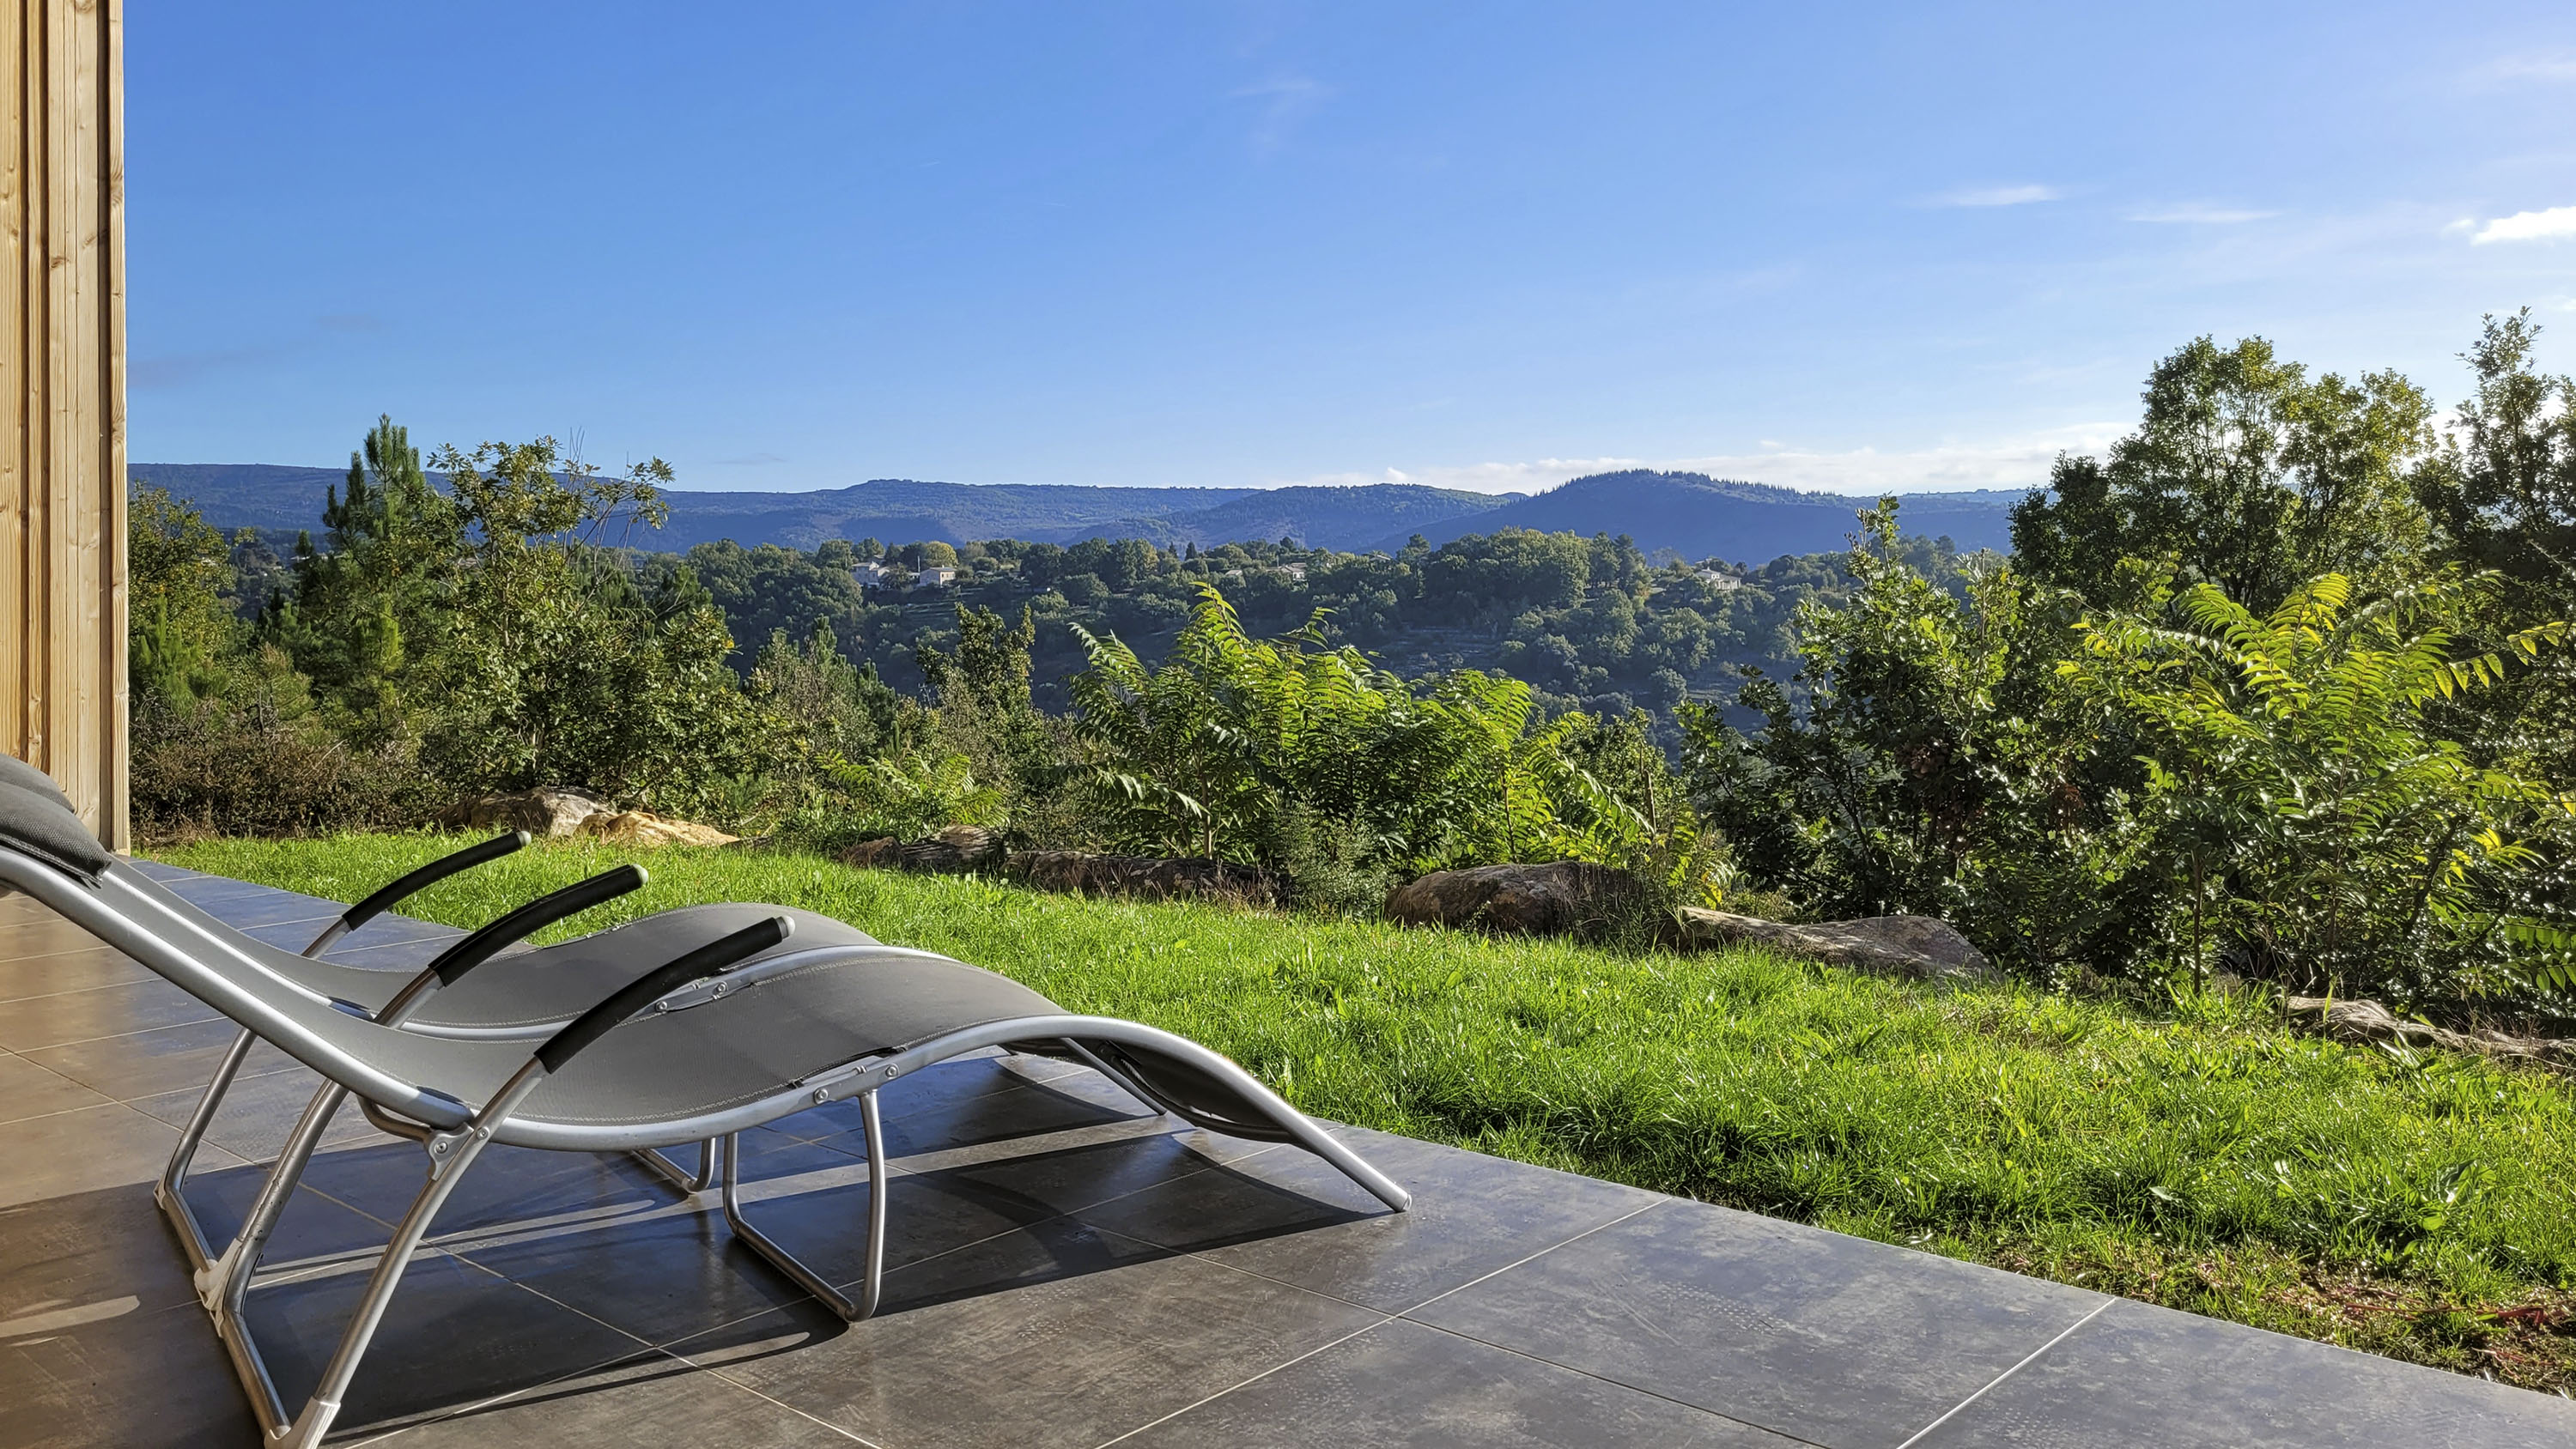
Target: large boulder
(548,810)
(1921,947)
(953,851)
(1562,897)
(1143,877)
(643,827)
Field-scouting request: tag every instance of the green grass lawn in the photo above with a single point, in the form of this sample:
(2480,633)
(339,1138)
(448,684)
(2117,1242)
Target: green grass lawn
(2196,1154)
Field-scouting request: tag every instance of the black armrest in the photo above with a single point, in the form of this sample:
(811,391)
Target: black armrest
(419,880)
(488,942)
(431,874)
(710,959)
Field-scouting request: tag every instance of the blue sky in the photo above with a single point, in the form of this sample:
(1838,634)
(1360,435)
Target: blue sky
(1480,245)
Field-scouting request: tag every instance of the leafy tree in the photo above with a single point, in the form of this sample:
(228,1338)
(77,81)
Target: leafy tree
(1939,766)
(179,625)
(2505,495)
(2311,826)
(553,667)
(2244,473)
(380,575)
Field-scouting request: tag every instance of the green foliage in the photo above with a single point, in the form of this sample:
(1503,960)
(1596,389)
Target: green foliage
(551,665)
(2244,473)
(178,569)
(1939,766)
(911,794)
(2295,797)
(1338,774)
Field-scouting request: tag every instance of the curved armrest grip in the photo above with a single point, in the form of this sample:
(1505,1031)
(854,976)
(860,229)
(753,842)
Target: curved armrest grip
(535,916)
(430,875)
(707,960)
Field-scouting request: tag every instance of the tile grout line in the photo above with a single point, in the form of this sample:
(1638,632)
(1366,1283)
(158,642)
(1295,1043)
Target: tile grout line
(1383,1320)
(1919,1435)
(1534,1257)
(717,1372)
(1623,1384)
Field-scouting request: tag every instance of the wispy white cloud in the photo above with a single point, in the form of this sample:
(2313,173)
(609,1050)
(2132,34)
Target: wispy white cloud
(2559,67)
(2551,225)
(2198,213)
(2022,195)
(2020,461)
(1285,100)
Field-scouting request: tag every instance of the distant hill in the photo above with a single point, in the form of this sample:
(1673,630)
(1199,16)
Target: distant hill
(1696,516)
(1702,517)
(277,497)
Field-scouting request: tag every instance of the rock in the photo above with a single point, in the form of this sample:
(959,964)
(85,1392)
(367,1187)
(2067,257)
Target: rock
(1143,877)
(2369,1021)
(643,827)
(1922,947)
(953,851)
(869,854)
(546,811)
(1530,900)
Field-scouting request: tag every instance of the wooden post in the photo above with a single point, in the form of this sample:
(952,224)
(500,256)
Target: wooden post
(62,402)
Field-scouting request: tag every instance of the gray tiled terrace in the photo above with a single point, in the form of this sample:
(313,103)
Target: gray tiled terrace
(1064,1271)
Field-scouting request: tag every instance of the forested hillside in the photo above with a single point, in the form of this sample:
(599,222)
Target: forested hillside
(1589,622)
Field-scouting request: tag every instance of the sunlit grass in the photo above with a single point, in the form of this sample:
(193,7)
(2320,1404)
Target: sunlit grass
(2197,1154)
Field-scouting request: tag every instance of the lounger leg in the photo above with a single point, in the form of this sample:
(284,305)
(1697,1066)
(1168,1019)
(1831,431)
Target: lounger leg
(315,1420)
(678,1176)
(172,1191)
(225,1283)
(873,1282)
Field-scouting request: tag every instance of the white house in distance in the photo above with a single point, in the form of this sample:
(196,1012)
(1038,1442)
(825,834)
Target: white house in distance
(870,574)
(937,576)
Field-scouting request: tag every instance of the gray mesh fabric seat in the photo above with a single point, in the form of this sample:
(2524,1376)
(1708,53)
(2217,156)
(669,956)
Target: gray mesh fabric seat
(746,1022)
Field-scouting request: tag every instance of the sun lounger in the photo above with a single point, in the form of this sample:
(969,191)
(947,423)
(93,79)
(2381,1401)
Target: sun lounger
(700,1048)
(540,992)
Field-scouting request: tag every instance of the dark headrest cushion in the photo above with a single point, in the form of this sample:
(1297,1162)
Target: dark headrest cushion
(46,829)
(15,771)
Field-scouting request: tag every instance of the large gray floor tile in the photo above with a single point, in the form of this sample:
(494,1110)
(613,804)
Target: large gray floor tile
(77,969)
(259,1112)
(142,1379)
(454,1336)
(1290,1215)
(652,1398)
(81,1249)
(87,1150)
(71,1016)
(2156,1379)
(249,909)
(1055,1336)
(1402,1385)
(1824,1337)
(45,935)
(665,1268)
(149,1063)
(29,1090)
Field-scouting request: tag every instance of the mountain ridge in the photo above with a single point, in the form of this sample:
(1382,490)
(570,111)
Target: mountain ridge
(1690,513)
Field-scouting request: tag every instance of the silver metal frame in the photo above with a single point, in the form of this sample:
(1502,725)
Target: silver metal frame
(453,1136)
